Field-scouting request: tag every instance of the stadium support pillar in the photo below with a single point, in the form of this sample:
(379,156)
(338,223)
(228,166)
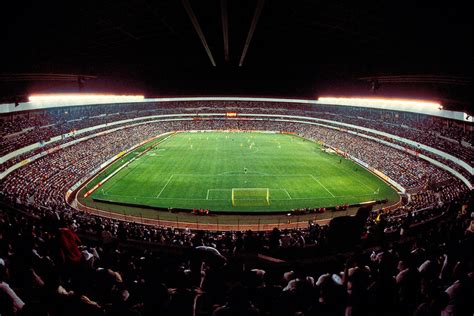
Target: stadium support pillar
(225,28)
(197,27)
(253,26)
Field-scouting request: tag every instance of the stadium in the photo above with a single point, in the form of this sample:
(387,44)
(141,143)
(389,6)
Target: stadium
(141,174)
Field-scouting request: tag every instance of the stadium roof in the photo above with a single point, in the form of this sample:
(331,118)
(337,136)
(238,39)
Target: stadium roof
(299,48)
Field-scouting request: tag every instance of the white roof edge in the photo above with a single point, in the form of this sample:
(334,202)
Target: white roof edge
(10,108)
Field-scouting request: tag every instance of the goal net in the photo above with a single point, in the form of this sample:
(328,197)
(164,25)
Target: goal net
(250,196)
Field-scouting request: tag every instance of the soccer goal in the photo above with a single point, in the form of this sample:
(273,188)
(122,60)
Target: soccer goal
(250,196)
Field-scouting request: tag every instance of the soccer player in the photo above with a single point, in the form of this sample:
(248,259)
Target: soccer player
(245,170)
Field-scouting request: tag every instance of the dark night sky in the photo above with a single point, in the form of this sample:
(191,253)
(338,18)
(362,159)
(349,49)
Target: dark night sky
(300,48)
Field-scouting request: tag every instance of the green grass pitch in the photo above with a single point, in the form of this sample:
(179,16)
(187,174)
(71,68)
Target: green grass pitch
(200,169)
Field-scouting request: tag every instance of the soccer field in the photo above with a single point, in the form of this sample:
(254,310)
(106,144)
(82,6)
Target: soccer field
(266,171)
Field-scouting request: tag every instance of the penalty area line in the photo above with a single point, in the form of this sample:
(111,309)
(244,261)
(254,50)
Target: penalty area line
(314,178)
(164,187)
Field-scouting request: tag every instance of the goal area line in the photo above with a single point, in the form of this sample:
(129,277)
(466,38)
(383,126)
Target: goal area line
(209,193)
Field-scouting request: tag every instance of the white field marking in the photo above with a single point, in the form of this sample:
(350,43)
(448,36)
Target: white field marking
(131,196)
(209,190)
(166,184)
(365,185)
(153,155)
(192,199)
(187,199)
(322,185)
(132,161)
(233,173)
(249,174)
(325,197)
(113,180)
(355,178)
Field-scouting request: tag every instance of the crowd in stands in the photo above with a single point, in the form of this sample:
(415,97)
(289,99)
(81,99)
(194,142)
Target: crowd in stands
(47,179)
(408,170)
(49,146)
(404,168)
(50,266)
(462,170)
(426,204)
(44,133)
(426,135)
(55,260)
(428,124)
(42,184)
(21,130)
